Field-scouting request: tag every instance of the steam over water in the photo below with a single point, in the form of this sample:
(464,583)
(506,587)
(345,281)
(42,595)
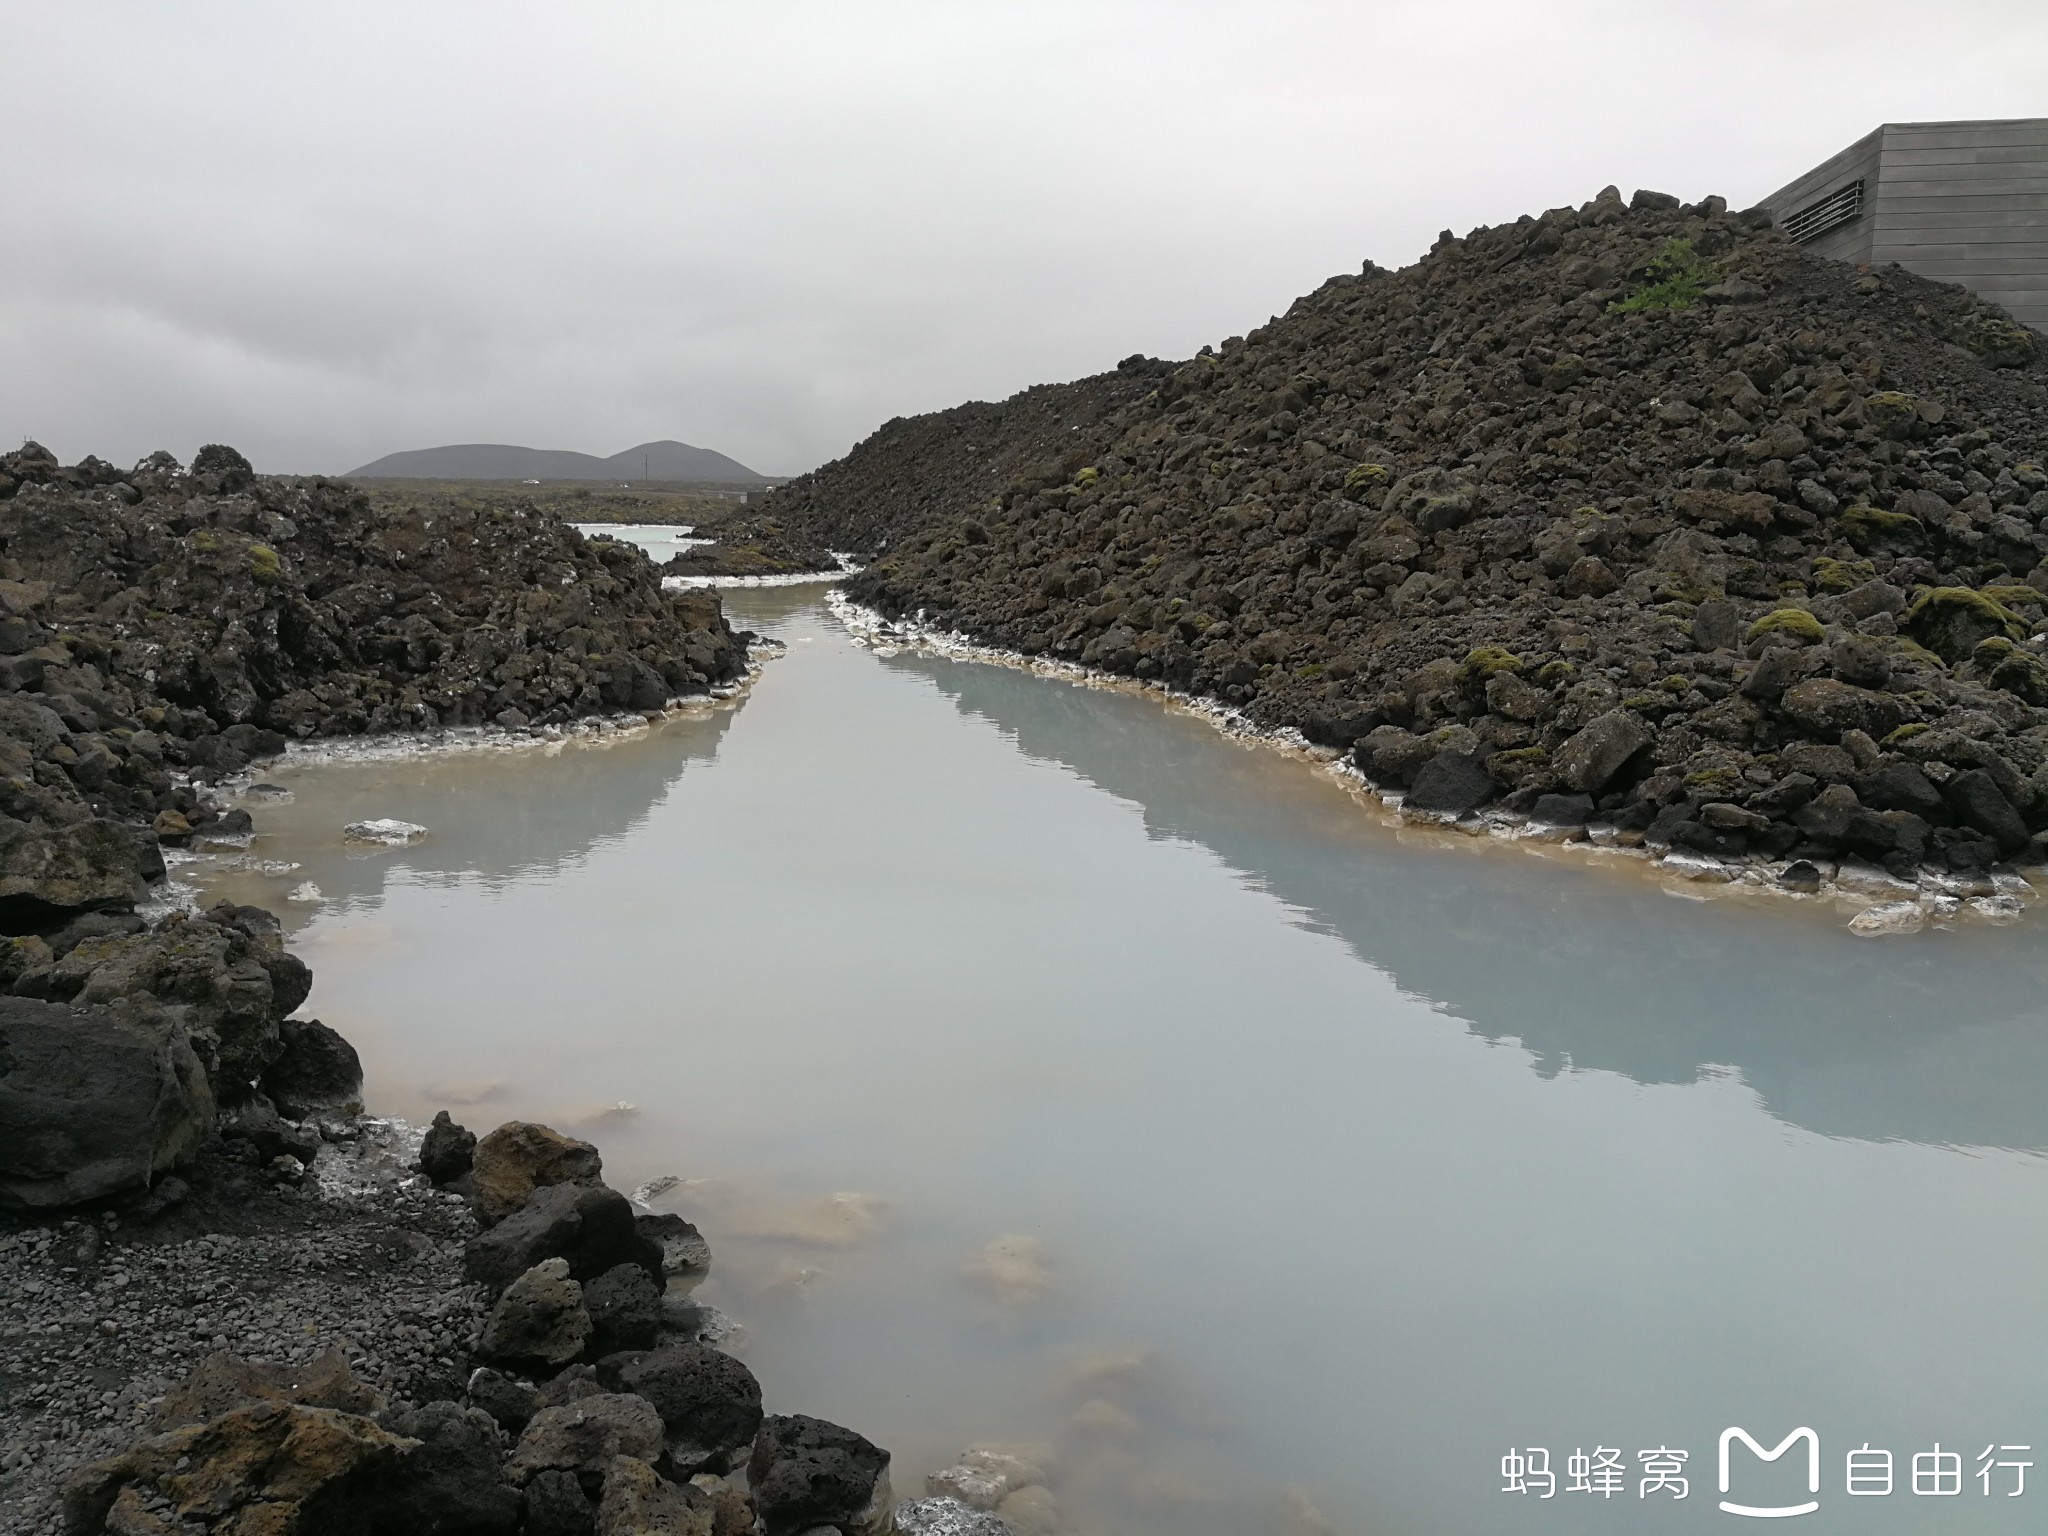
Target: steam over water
(1043,1065)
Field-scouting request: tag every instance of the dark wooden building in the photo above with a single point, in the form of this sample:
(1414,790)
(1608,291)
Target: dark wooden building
(1962,202)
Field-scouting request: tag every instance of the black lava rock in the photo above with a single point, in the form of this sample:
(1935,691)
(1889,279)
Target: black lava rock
(807,1472)
(710,1403)
(624,1304)
(447,1151)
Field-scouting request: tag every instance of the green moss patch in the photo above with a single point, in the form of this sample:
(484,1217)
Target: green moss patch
(1796,622)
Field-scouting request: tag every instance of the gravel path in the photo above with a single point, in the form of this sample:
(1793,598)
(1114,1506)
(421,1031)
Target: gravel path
(98,1318)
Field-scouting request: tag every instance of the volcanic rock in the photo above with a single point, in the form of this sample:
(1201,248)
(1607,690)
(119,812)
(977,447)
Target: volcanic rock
(710,1403)
(539,1322)
(807,1472)
(637,1502)
(95,1100)
(1636,536)
(316,1072)
(589,1226)
(447,1151)
(519,1157)
(582,1437)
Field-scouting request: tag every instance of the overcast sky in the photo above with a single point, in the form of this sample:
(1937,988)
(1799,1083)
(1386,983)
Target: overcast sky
(326,231)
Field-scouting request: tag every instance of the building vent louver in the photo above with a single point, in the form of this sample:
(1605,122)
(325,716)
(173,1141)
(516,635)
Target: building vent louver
(1842,206)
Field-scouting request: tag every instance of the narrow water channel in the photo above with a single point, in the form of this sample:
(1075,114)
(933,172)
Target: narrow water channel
(1043,1065)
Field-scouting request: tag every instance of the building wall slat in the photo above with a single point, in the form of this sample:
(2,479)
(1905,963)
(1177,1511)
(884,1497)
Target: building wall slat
(1994,221)
(1958,250)
(1961,208)
(2029,130)
(2010,240)
(1997,154)
(1964,181)
(1852,242)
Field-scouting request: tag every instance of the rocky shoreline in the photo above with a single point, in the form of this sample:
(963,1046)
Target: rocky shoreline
(163,628)
(1878,901)
(1631,514)
(232,1303)
(412,1334)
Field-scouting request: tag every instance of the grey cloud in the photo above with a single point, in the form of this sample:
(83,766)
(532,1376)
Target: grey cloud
(325,232)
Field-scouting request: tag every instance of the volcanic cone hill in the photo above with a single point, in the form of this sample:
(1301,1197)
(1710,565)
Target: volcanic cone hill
(160,629)
(1633,512)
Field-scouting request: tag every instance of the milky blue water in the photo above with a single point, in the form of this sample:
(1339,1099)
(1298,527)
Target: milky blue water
(1047,1066)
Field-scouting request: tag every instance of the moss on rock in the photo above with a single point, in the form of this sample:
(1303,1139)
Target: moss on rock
(1950,621)
(1796,622)
(1870,528)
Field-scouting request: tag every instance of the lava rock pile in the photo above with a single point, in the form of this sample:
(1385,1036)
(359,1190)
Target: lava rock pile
(1632,513)
(161,629)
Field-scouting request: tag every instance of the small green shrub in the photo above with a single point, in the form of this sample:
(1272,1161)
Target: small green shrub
(1679,275)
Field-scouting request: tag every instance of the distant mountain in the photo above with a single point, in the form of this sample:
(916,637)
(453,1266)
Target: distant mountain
(665,460)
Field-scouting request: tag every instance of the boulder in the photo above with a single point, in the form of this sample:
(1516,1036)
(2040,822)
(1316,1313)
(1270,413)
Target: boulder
(637,1502)
(710,1403)
(1593,755)
(1889,918)
(572,1385)
(625,1310)
(556,1505)
(1715,626)
(448,1482)
(1452,783)
(447,1151)
(1389,755)
(94,1101)
(50,874)
(228,974)
(264,1468)
(1800,875)
(588,1225)
(807,1472)
(1977,802)
(1951,621)
(539,1322)
(1828,707)
(316,1072)
(1897,785)
(1826,817)
(683,1249)
(510,1402)
(1562,810)
(222,1382)
(584,1436)
(520,1157)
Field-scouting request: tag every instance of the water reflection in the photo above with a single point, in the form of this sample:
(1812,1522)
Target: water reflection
(496,816)
(1072,1093)
(1934,1039)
